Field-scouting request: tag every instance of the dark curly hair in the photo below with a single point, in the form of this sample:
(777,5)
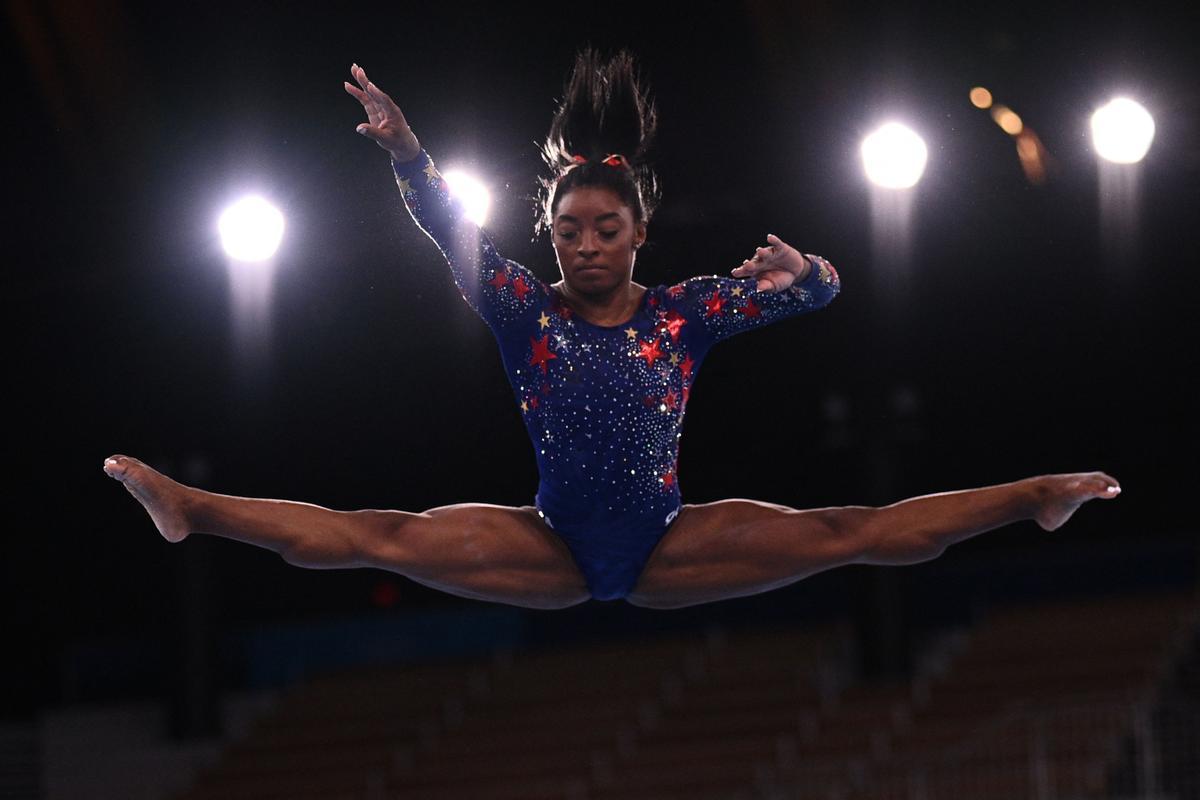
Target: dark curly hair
(604,110)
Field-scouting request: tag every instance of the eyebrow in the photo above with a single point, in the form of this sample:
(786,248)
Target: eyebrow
(601,218)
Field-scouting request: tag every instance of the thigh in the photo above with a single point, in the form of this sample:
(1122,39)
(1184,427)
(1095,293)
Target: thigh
(734,548)
(487,552)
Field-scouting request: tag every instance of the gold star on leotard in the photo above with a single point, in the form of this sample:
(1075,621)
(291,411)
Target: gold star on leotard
(524,406)
(544,321)
(674,359)
(737,291)
(405,185)
(631,333)
(432,172)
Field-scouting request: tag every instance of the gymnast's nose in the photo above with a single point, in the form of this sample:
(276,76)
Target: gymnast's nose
(587,244)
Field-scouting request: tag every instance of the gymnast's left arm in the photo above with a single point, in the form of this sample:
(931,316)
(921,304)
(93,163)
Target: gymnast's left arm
(777,283)
(779,267)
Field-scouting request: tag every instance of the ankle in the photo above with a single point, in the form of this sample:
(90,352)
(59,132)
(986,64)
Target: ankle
(191,507)
(1035,493)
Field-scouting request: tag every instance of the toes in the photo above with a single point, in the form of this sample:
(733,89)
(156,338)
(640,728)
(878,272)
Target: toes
(118,466)
(1106,485)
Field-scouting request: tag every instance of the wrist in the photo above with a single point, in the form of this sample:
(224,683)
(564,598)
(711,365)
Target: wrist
(405,156)
(805,272)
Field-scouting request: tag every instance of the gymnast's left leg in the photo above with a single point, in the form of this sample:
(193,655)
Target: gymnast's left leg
(734,548)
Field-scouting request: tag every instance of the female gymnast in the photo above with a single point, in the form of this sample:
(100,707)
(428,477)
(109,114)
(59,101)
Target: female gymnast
(601,368)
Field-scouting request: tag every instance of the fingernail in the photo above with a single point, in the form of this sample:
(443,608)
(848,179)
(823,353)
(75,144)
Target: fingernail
(1114,490)
(362,129)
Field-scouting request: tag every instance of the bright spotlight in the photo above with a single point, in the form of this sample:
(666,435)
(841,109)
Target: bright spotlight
(894,156)
(472,193)
(251,229)
(1122,131)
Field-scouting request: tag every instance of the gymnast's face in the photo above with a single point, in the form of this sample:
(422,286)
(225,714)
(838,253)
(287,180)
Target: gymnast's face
(596,240)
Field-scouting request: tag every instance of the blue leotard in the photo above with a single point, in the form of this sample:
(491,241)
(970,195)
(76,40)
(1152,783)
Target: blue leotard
(603,405)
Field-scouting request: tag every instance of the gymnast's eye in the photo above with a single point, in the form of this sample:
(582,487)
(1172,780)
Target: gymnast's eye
(609,234)
(568,235)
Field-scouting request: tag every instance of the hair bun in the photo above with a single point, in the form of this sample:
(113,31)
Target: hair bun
(605,114)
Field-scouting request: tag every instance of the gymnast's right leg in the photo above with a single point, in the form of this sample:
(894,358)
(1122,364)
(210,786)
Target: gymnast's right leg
(483,552)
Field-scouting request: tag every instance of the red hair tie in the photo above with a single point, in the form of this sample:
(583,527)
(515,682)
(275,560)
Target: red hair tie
(612,159)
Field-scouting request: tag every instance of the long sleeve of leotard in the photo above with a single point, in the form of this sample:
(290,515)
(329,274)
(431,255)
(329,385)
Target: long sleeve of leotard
(500,290)
(712,308)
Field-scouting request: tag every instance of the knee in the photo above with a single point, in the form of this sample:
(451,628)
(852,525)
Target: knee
(383,537)
(876,537)
(852,533)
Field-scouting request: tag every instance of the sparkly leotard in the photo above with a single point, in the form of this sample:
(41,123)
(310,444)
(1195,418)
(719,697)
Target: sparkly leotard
(603,405)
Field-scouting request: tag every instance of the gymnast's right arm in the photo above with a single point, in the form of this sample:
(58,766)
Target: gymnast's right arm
(499,290)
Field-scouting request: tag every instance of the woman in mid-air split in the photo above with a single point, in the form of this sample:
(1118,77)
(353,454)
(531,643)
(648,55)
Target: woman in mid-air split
(601,368)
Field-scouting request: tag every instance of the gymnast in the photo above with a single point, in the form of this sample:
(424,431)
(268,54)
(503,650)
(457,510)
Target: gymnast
(601,368)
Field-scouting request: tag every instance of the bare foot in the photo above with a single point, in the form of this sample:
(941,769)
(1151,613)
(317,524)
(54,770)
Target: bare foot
(162,497)
(1062,494)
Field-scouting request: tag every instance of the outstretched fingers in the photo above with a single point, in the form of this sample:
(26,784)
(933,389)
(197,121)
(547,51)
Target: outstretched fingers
(391,111)
(386,106)
(385,125)
(766,265)
(374,112)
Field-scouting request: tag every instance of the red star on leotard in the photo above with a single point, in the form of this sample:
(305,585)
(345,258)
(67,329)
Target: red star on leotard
(650,352)
(541,352)
(520,288)
(533,401)
(668,478)
(751,309)
(498,280)
(561,308)
(671,399)
(653,301)
(672,323)
(675,290)
(714,304)
(686,367)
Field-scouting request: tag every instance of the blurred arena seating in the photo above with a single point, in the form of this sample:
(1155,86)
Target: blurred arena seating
(1080,699)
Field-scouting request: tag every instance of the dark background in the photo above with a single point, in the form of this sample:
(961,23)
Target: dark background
(1020,344)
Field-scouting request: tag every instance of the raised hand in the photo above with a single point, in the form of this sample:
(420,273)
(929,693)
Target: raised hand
(777,266)
(385,124)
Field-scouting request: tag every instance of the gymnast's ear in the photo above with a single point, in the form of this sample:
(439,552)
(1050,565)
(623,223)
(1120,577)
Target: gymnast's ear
(639,235)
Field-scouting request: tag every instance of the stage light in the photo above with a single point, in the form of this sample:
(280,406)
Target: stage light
(1122,131)
(251,229)
(1008,120)
(981,97)
(471,192)
(1031,153)
(894,156)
